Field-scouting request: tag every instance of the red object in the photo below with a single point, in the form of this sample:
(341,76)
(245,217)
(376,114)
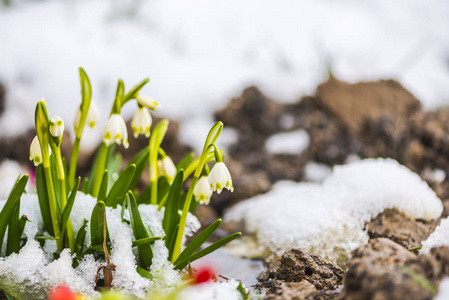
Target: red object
(204,274)
(61,292)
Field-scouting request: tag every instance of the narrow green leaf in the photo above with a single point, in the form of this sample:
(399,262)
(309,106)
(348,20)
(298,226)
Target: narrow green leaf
(144,273)
(8,208)
(197,242)
(93,249)
(79,242)
(145,250)
(85,187)
(111,151)
(42,195)
(68,207)
(243,292)
(184,163)
(97,223)
(146,241)
(120,187)
(13,242)
(8,296)
(103,187)
(207,250)
(171,215)
(22,223)
(141,161)
(41,237)
(113,163)
(55,180)
(135,90)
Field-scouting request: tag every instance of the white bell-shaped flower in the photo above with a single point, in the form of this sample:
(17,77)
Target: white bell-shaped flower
(147,102)
(36,152)
(141,122)
(56,126)
(220,178)
(91,118)
(202,191)
(167,168)
(115,131)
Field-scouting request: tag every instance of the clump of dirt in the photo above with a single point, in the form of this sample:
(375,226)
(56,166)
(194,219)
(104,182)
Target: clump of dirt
(383,269)
(398,227)
(303,275)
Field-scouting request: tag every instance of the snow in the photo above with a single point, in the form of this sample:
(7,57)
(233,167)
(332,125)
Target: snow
(224,290)
(38,271)
(292,142)
(440,237)
(328,218)
(316,172)
(443,290)
(199,58)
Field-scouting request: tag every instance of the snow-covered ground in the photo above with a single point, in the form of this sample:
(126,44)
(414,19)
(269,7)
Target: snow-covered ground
(200,53)
(328,218)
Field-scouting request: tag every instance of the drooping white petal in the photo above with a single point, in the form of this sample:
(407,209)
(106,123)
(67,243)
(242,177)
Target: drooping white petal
(169,168)
(202,191)
(220,178)
(115,131)
(36,151)
(141,122)
(92,114)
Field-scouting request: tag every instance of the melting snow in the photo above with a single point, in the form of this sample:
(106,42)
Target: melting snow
(329,218)
(32,272)
(293,142)
(440,237)
(226,290)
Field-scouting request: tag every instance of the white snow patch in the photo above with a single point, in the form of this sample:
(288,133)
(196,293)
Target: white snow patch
(329,218)
(10,170)
(443,290)
(316,172)
(32,272)
(225,290)
(293,142)
(440,237)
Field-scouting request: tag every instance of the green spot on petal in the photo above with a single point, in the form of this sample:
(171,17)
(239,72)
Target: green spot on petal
(107,136)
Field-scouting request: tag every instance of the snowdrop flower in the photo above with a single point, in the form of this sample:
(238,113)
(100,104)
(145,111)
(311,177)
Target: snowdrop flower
(36,152)
(167,168)
(220,178)
(115,131)
(141,122)
(202,191)
(147,102)
(56,126)
(91,118)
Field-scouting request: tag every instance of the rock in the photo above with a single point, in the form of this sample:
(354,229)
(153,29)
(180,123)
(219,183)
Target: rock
(355,104)
(297,265)
(280,290)
(383,269)
(403,230)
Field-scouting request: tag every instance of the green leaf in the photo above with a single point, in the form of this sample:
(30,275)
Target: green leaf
(135,90)
(85,187)
(8,296)
(111,150)
(184,163)
(144,273)
(207,250)
(68,207)
(22,223)
(97,223)
(197,242)
(113,163)
(171,214)
(55,180)
(93,249)
(141,161)
(8,208)
(146,241)
(86,90)
(243,292)
(41,237)
(79,243)
(103,187)
(162,188)
(120,187)
(14,235)
(145,250)
(120,92)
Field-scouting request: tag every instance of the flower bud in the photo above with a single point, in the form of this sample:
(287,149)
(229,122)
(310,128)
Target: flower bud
(36,152)
(56,126)
(167,168)
(147,102)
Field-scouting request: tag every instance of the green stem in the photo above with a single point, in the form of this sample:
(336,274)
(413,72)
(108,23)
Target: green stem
(99,170)
(73,162)
(53,206)
(63,198)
